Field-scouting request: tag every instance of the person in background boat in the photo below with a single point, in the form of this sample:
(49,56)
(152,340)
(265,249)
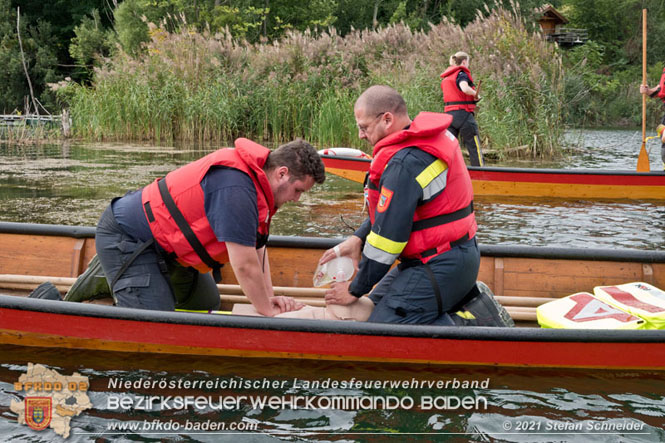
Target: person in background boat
(459,100)
(420,204)
(659,93)
(157,245)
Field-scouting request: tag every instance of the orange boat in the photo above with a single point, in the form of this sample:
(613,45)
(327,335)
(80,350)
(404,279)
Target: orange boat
(577,184)
(522,278)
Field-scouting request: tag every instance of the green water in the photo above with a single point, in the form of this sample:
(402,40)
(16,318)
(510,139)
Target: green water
(516,405)
(72,183)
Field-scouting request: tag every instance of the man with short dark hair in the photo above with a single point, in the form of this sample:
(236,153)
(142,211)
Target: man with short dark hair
(157,245)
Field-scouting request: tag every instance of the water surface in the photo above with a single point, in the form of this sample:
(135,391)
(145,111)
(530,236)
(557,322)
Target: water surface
(72,183)
(516,405)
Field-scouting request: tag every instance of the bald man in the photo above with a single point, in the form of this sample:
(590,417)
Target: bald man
(420,204)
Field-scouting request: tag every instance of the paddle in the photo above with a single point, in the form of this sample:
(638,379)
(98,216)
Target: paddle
(478,91)
(643,158)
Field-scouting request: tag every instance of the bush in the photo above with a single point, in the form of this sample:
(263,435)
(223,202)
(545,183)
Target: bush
(212,87)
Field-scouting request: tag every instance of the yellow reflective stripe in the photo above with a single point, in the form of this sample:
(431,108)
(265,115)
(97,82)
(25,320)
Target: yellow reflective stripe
(478,152)
(385,244)
(204,312)
(466,315)
(378,255)
(431,172)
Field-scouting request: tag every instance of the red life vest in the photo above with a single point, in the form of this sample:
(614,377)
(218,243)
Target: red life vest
(447,217)
(661,93)
(184,186)
(453,97)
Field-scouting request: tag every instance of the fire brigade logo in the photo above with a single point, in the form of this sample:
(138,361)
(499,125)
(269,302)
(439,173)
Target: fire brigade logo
(38,412)
(384,199)
(50,400)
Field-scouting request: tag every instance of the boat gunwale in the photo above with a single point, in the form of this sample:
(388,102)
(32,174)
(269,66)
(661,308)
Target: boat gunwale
(514,251)
(552,171)
(514,170)
(526,334)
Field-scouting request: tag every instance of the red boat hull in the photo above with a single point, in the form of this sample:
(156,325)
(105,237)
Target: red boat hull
(521,182)
(43,323)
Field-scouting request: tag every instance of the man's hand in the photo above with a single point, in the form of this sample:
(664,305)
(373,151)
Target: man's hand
(339,294)
(250,275)
(283,304)
(349,247)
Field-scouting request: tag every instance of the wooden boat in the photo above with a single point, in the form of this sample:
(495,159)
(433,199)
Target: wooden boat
(521,277)
(579,184)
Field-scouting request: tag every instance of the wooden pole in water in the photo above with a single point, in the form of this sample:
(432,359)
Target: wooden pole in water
(643,158)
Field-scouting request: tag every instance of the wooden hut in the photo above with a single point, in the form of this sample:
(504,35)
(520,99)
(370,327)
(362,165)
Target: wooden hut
(552,25)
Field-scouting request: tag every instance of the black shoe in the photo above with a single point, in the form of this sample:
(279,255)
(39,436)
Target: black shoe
(504,317)
(482,310)
(90,285)
(46,291)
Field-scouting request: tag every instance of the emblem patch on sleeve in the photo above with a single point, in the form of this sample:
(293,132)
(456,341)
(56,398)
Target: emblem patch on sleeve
(384,199)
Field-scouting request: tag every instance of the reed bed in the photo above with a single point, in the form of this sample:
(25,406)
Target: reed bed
(22,134)
(204,87)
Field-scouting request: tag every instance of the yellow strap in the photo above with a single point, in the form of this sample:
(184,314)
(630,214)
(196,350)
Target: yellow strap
(436,168)
(385,244)
(204,312)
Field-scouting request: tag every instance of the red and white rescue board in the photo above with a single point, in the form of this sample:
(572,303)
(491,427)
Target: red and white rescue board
(635,305)
(578,184)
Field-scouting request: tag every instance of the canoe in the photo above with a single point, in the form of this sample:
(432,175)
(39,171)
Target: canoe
(578,184)
(521,277)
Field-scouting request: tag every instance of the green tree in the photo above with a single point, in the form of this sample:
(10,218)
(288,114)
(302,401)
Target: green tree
(44,61)
(40,58)
(63,16)
(46,30)
(243,20)
(91,41)
(12,80)
(614,24)
(132,30)
(299,15)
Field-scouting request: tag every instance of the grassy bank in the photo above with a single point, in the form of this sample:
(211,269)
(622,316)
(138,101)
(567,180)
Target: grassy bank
(203,87)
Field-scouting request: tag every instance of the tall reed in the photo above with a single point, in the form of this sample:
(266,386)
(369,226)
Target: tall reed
(204,87)
(23,133)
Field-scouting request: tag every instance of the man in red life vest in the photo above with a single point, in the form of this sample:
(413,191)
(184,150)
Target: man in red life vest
(658,92)
(460,96)
(156,245)
(420,203)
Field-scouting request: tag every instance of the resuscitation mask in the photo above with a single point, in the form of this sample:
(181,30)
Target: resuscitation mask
(336,270)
